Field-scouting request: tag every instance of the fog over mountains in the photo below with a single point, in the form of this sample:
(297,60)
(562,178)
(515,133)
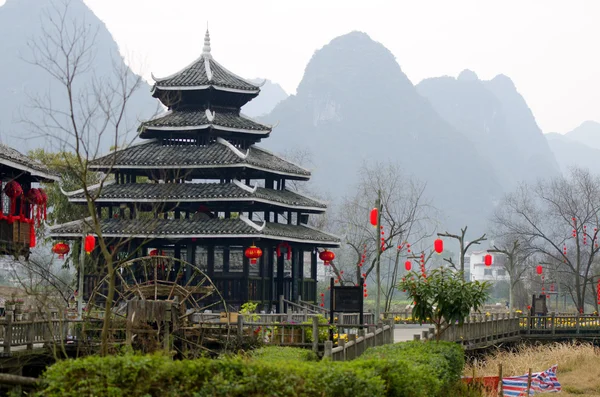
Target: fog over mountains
(20,24)
(470,140)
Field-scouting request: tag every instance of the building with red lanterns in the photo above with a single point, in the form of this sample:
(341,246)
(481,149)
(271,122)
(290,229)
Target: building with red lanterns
(22,205)
(487,266)
(198,188)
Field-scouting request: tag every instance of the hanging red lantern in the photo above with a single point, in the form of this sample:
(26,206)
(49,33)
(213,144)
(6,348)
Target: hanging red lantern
(89,244)
(407,266)
(374,216)
(13,190)
(44,202)
(326,256)
(61,249)
(438,245)
(539,269)
(488,259)
(285,248)
(253,253)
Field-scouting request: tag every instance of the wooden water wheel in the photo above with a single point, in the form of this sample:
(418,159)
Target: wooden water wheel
(157,279)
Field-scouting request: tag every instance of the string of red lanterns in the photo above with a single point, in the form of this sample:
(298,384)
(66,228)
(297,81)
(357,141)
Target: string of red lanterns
(322,299)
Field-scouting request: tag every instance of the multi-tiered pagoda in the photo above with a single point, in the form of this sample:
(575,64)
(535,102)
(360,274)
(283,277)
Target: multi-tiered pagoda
(203,192)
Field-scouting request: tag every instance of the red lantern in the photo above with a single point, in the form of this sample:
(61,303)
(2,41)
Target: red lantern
(61,249)
(253,253)
(438,245)
(327,256)
(407,266)
(154,252)
(13,190)
(487,260)
(89,244)
(374,216)
(539,269)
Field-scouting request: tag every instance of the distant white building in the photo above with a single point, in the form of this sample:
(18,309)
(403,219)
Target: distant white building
(480,272)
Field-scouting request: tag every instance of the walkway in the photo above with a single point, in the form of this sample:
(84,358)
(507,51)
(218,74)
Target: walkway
(406,332)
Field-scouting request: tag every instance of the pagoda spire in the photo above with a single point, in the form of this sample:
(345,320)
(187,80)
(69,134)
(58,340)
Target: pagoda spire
(206,48)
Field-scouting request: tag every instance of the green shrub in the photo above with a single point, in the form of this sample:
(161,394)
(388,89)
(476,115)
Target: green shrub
(415,368)
(404,370)
(147,376)
(280,353)
(323,331)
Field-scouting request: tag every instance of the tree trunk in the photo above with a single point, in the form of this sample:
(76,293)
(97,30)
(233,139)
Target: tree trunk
(107,310)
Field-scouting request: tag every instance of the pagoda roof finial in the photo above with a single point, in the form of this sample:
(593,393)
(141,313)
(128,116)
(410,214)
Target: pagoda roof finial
(206,48)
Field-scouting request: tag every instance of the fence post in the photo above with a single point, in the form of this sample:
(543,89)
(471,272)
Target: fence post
(30,335)
(7,332)
(352,351)
(281,305)
(342,344)
(553,324)
(315,333)
(392,327)
(416,337)
(328,348)
(577,323)
(240,325)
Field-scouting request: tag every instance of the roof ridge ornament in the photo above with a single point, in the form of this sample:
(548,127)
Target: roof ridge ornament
(206,48)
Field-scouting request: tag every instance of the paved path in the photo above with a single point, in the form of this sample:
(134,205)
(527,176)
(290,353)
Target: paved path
(404,332)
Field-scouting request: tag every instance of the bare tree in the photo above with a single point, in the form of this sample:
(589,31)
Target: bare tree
(515,265)
(463,247)
(95,111)
(558,220)
(406,219)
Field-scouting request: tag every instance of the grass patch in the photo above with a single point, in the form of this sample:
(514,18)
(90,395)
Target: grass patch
(578,365)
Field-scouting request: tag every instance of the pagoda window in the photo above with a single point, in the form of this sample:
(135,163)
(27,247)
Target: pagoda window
(236,259)
(306,258)
(202,258)
(219,259)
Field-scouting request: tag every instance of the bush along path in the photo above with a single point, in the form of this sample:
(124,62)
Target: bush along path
(404,369)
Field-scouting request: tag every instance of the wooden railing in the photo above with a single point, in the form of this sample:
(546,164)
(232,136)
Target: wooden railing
(358,343)
(28,333)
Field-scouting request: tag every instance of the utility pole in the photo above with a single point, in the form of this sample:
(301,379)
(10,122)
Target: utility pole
(377,263)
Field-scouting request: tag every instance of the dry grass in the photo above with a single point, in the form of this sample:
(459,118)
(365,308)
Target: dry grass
(578,365)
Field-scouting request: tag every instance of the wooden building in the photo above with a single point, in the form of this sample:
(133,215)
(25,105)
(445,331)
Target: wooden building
(198,188)
(17,222)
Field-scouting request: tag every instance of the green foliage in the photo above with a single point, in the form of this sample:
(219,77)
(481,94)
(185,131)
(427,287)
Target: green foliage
(248,309)
(156,375)
(279,353)
(443,297)
(323,331)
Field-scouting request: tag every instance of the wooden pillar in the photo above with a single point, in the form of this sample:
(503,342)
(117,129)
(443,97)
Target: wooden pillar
(298,214)
(313,276)
(226,260)
(245,279)
(301,291)
(279,282)
(289,216)
(294,274)
(191,259)
(210,261)
(282,184)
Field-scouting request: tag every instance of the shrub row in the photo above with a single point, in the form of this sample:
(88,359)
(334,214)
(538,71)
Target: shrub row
(407,369)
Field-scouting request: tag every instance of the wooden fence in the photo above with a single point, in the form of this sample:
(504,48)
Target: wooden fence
(358,343)
(28,333)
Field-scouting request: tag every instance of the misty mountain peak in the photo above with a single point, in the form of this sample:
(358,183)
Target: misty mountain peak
(468,75)
(503,81)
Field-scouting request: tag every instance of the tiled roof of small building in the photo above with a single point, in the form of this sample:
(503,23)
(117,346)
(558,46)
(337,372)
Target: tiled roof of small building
(185,119)
(188,228)
(182,192)
(155,154)
(13,158)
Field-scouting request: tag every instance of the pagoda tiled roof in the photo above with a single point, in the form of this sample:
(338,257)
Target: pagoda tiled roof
(12,158)
(154,154)
(200,119)
(208,228)
(205,73)
(201,192)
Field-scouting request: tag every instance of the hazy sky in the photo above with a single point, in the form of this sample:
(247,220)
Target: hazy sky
(548,47)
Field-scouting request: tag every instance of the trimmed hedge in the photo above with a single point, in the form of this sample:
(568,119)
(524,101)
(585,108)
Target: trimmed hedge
(404,369)
(280,353)
(415,369)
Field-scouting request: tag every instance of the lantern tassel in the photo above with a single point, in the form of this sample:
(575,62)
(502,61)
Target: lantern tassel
(31,234)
